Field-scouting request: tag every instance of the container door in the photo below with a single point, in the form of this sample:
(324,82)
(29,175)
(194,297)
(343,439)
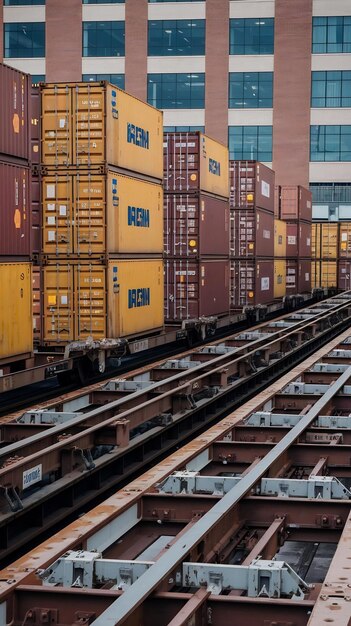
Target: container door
(16,337)
(58,217)
(90,301)
(58,303)
(89,124)
(56,102)
(90,213)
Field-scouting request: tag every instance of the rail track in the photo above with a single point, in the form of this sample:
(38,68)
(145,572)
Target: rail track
(57,460)
(249,522)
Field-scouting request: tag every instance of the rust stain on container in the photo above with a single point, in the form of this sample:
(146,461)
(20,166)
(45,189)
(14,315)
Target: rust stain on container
(15,230)
(195,225)
(251,282)
(251,185)
(196,288)
(251,233)
(194,162)
(14,118)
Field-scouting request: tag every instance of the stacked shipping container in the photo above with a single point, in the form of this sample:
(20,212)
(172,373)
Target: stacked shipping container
(251,234)
(331,255)
(294,208)
(16,244)
(102,213)
(196,227)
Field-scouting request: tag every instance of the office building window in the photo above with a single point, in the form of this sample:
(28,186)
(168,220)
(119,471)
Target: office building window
(176,37)
(154,1)
(331,89)
(176,91)
(38,78)
(115,79)
(183,129)
(331,192)
(12,3)
(103,39)
(24,40)
(103,1)
(330,143)
(250,90)
(331,34)
(250,142)
(251,36)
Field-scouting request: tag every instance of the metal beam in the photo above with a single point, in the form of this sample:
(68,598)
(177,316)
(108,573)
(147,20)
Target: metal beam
(118,612)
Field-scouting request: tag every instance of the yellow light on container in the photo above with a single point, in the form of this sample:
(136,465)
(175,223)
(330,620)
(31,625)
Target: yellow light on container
(251,294)
(250,197)
(192,243)
(251,246)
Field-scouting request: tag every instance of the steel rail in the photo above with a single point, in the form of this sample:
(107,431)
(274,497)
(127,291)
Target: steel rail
(55,438)
(132,598)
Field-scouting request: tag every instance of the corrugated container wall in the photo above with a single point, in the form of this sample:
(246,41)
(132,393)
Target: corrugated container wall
(194,162)
(15,225)
(90,213)
(325,240)
(89,124)
(295,203)
(196,288)
(36,212)
(16,323)
(344,275)
(324,274)
(280,238)
(298,276)
(345,240)
(251,185)
(251,282)
(84,299)
(252,233)
(14,117)
(195,225)
(279,279)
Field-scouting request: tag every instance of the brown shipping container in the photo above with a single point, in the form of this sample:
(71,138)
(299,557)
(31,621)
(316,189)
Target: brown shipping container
(345,240)
(277,202)
(194,162)
(292,247)
(304,239)
(251,282)
(35,126)
(298,276)
(252,233)
(251,185)
(14,117)
(296,203)
(196,288)
(195,225)
(344,275)
(15,230)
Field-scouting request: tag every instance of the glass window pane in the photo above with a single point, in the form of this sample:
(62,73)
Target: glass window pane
(176,91)
(176,37)
(251,36)
(250,142)
(24,40)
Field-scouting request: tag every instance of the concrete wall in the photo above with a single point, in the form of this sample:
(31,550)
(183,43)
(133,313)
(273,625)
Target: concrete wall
(217,67)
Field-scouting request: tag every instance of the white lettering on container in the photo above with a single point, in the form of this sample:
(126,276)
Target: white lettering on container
(32,476)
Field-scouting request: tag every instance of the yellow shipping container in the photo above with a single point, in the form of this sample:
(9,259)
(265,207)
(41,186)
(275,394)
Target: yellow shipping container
(214,167)
(87,124)
(81,300)
(316,241)
(345,240)
(324,274)
(16,323)
(279,279)
(92,213)
(279,238)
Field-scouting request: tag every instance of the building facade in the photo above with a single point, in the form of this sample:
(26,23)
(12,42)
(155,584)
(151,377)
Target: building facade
(272,77)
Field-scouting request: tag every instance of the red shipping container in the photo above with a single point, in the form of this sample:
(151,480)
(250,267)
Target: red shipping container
(195,289)
(304,242)
(292,247)
(187,160)
(298,239)
(298,276)
(35,161)
(251,233)
(251,185)
(344,275)
(195,225)
(277,202)
(15,231)
(14,118)
(295,203)
(251,282)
